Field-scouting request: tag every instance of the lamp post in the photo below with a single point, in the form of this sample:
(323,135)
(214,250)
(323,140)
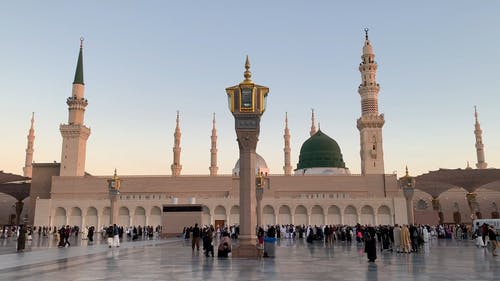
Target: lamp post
(471,201)
(260,183)
(247,103)
(407,183)
(114,191)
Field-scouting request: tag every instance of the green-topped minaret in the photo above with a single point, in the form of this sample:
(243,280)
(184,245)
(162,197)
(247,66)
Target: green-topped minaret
(79,66)
(75,133)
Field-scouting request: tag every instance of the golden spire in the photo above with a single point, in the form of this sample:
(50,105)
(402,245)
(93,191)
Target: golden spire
(247,74)
(366,33)
(407,174)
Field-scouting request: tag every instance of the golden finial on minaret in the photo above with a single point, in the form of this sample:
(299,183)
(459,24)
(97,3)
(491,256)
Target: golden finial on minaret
(366,32)
(247,73)
(407,174)
(81,42)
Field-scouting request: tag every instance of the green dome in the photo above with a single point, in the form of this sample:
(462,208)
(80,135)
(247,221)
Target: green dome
(320,151)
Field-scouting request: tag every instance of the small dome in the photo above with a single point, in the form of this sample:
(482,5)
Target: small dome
(260,166)
(320,151)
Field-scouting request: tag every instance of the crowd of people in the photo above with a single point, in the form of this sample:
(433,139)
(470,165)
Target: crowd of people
(396,238)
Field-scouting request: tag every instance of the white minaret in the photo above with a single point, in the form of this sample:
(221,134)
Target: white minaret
(288,167)
(313,126)
(370,124)
(28,163)
(75,133)
(213,151)
(479,144)
(176,166)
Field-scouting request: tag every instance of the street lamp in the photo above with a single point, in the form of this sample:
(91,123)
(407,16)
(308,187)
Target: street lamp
(407,183)
(260,183)
(247,103)
(114,191)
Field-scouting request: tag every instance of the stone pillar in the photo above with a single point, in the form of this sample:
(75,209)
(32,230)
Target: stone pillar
(259,192)
(113,197)
(19,210)
(471,201)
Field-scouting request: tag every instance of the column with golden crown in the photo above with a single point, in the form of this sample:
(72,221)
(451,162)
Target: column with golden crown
(247,102)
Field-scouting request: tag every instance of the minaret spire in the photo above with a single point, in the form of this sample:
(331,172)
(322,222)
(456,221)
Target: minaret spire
(28,163)
(75,133)
(370,124)
(313,122)
(287,168)
(213,150)
(481,164)
(176,166)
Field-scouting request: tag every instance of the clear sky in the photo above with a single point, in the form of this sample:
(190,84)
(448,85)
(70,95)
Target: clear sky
(144,60)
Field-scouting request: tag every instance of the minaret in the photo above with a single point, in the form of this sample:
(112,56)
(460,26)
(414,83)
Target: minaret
(213,151)
(313,126)
(75,133)
(288,167)
(370,124)
(479,144)
(27,169)
(176,166)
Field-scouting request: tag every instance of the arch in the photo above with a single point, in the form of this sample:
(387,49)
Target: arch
(317,215)
(123,216)
(139,216)
(300,215)
(334,216)
(206,218)
(91,218)
(234,215)
(106,216)
(367,215)
(350,215)
(220,214)
(268,215)
(59,217)
(155,216)
(384,215)
(284,215)
(75,218)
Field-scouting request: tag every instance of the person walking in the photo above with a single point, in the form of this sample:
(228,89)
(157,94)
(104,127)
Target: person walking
(492,235)
(21,239)
(110,235)
(196,238)
(370,244)
(116,236)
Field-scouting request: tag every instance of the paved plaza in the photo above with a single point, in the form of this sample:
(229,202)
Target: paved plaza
(172,259)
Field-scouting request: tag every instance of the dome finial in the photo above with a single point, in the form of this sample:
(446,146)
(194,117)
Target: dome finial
(407,174)
(366,33)
(247,73)
(81,42)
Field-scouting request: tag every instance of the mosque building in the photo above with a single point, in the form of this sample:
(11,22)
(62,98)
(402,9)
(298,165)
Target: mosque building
(319,190)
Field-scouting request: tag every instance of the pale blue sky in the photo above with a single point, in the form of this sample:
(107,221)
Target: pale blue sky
(143,60)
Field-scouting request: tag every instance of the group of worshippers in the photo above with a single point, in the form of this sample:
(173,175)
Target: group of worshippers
(486,234)
(206,235)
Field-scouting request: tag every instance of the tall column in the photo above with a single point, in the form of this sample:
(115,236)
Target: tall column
(28,163)
(213,151)
(75,133)
(287,168)
(479,144)
(370,123)
(176,166)
(247,104)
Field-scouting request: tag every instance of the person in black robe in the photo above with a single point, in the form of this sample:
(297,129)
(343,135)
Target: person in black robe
(90,234)
(370,244)
(21,239)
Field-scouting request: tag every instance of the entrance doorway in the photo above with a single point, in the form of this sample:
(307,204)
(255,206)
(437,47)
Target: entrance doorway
(220,223)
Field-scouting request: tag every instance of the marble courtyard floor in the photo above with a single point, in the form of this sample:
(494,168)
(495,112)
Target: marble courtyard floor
(172,259)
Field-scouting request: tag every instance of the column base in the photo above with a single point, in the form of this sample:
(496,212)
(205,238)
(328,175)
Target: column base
(244,251)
